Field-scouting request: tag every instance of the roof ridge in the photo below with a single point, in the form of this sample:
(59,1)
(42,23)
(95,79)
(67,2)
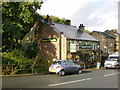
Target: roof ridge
(109,35)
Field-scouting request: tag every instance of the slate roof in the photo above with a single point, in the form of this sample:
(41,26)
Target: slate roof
(117,33)
(71,32)
(105,34)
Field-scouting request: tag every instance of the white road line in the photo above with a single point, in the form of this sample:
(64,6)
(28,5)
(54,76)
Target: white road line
(111,74)
(70,82)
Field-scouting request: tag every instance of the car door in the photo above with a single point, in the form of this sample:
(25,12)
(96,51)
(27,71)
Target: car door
(67,66)
(73,66)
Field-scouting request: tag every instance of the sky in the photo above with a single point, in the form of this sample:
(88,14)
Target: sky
(96,15)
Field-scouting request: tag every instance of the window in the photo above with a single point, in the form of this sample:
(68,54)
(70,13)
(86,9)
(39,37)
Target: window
(68,45)
(98,46)
(112,59)
(106,50)
(72,42)
(93,46)
(111,44)
(77,46)
(57,62)
(69,63)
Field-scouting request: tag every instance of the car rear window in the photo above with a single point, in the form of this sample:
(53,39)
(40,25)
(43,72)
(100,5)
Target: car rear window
(57,62)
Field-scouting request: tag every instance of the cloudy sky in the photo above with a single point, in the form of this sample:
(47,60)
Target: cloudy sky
(99,15)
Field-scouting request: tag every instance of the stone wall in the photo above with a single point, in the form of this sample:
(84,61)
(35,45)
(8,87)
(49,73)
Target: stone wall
(47,50)
(106,44)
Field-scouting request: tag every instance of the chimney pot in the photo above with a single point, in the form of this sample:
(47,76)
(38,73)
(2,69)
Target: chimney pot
(81,27)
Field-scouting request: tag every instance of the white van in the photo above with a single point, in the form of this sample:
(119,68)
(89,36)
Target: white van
(113,61)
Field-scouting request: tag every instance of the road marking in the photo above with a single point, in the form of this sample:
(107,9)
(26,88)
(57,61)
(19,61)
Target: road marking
(111,74)
(70,82)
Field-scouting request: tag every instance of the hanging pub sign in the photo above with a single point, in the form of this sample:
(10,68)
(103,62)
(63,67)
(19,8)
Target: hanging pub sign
(86,46)
(72,46)
(49,40)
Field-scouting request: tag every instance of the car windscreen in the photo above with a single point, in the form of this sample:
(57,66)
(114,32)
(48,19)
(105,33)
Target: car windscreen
(57,62)
(112,59)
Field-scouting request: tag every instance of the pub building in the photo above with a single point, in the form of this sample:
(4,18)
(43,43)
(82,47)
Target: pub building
(63,41)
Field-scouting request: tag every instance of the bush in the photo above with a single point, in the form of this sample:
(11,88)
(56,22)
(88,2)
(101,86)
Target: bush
(30,50)
(15,56)
(14,60)
(24,61)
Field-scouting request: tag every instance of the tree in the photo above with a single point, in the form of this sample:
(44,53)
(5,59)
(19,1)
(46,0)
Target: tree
(56,19)
(87,31)
(17,19)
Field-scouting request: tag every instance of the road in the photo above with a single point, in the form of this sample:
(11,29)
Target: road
(105,78)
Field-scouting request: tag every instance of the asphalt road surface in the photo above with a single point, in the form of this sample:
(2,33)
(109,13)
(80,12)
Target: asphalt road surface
(105,78)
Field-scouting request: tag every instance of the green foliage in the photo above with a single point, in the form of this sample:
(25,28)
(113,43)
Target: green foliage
(18,18)
(30,50)
(41,66)
(87,31)
(15,56)
(19,59)
(23,61)
(15,60)
(56,19)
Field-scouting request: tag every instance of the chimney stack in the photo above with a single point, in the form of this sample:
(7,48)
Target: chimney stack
(82,27)
(48,20)
(68,22)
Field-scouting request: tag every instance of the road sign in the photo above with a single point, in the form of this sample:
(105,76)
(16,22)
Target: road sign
(86,46)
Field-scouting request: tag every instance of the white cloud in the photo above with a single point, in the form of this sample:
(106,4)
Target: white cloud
(95,14)
(61,8)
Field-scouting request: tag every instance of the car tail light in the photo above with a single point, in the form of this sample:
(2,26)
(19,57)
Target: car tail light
(51,66)
(57,67)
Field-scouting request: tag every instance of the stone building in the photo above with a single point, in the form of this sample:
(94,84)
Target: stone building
(60,41)
(117,38)
(107,41)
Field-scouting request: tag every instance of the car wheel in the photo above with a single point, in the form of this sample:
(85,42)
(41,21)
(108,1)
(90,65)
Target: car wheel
(106,68)
(79,71)
(117,67)
(50,72)
(62,73)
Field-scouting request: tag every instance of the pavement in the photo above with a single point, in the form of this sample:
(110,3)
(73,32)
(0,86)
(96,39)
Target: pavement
(20,75)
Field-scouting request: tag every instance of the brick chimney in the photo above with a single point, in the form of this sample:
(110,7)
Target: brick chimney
(81,27)
(68,22)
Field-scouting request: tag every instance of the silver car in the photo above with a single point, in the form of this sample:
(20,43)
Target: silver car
(62,67)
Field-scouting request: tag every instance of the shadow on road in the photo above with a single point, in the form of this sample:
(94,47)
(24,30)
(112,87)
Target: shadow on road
(90,71)
(84,72)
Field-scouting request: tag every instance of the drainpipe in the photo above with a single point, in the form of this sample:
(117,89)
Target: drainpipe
(60,44)
(60,47)
(99,54)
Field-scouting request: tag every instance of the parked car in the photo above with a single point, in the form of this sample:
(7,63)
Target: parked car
(63,67)
(113,61)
